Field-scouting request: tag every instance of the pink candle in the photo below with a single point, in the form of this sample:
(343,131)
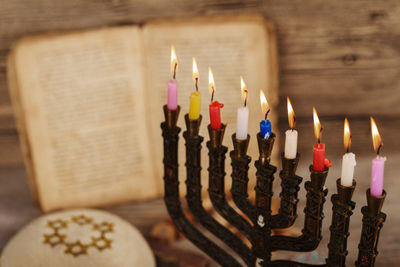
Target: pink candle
(172,95)
(172,103)
(378,165)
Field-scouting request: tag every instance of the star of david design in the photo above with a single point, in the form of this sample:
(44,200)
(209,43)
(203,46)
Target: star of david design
(81,220)
(101,243)
(104,227)
(54,239)
(78,247)
(261,221)
(57,224)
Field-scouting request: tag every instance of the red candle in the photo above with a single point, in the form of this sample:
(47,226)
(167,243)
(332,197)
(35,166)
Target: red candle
(215,106)
(319,160)
(319,157)
(215,115)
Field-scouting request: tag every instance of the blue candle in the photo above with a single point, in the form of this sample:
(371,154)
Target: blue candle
(265,129)
(265,125)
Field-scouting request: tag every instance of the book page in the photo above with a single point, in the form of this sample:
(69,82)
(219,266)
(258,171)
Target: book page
(82,96)
(20,123)
(232,46)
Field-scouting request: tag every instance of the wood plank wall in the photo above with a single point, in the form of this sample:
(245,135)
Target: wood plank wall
(341,56)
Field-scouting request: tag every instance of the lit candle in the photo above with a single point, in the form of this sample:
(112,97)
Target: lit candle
(319,160)
(242,114)
(265,125)
(215,106)
(378,164)
(195,98)
(349,159)
(291,134)
(172,103)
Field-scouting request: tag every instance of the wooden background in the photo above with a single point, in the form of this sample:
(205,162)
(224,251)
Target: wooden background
(341,56)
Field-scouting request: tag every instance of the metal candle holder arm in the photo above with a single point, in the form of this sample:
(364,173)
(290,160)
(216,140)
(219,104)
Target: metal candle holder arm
(258,225)
(171,196)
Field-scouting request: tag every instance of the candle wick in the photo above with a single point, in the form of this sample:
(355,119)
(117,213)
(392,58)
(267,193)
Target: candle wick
(320,133)
(174,71)
(349,144)
(379,149)
(245,98)
(212,94)
(294,121)
(197,88)
(266,114)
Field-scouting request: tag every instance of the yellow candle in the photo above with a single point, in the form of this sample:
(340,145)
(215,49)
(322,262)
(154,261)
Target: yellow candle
(195,98)
(195,103)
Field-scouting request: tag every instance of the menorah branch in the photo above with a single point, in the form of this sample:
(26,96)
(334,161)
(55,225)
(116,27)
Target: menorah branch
(265,177)
(290,187)
(373,220)
(311,233)
(193,195)
(342,210)
(170,134)
(240,179)
(216,188)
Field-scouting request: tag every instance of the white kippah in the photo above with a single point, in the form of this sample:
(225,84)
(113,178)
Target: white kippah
(78,238)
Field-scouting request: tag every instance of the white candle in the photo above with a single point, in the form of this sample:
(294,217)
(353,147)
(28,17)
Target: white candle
(291,134)
(349,159)
(291,144)
(242,123)
(348,163)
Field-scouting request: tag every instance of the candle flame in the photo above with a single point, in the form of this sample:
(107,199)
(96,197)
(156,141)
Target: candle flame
(317,125)
(376,137)
(291,115)
(211,83)
(347,135)
(195,71)
(244,90)
(174,60)
(264,103)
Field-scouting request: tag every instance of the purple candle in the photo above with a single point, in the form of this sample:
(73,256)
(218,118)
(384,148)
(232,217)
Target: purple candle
(378,164)
(172,103)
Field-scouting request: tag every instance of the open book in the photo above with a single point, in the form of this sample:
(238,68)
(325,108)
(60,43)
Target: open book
(88,104)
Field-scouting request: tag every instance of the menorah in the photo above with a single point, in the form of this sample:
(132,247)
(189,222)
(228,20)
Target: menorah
(260,221)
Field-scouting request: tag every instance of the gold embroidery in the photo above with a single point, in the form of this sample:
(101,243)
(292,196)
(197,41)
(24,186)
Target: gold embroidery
(78,248)
(101,242)
(81,220)
(57,224)
(104,227)
(54,239)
